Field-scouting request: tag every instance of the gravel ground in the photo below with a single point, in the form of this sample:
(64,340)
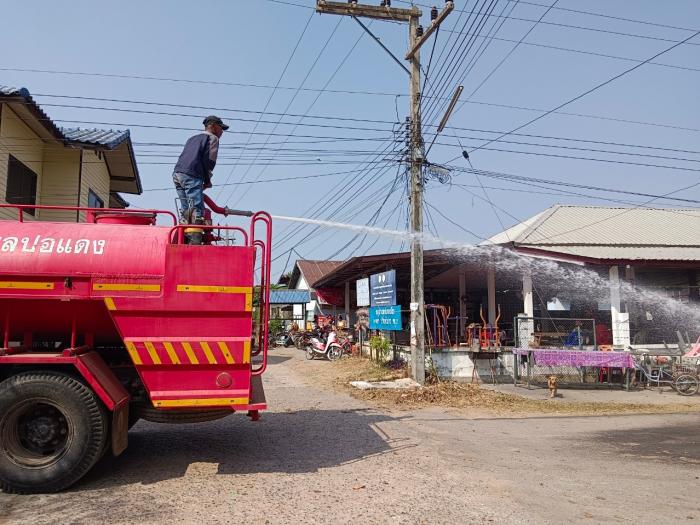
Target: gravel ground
(320,456)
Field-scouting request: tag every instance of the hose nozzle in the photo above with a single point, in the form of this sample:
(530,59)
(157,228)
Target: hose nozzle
(243,213)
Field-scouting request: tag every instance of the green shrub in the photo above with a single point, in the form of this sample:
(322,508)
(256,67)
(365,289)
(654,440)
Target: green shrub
(379,346)
(276,326)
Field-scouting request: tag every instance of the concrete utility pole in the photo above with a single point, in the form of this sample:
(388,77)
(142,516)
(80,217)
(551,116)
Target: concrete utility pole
(416,40)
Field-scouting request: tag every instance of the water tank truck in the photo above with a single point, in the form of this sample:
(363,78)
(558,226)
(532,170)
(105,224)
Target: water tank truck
(118,318)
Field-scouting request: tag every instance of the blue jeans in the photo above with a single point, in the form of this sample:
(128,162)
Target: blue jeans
(190,191)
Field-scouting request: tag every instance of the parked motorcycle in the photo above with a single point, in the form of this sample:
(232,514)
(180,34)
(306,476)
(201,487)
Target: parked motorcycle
(329,348)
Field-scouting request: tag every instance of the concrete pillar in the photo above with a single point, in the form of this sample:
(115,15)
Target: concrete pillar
(347,304)
(620,320)
(491,285)
(528,304)
(462,303)
(525,328)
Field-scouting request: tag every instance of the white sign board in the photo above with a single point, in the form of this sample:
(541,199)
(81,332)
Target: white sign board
(362,288)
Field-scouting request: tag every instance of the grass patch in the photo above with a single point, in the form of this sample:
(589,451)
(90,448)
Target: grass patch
(451,394)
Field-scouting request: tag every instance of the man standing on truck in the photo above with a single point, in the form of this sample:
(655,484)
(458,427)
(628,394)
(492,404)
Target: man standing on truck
(193,171)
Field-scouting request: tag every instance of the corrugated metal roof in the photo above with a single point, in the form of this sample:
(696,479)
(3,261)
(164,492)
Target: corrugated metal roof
(623,253)
(289,296)
(102,137)
(610,233)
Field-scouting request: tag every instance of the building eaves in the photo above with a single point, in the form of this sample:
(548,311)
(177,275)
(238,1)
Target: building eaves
(22,96)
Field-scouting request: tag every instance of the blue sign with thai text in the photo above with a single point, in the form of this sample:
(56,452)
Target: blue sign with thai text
(382,288)
(385,318)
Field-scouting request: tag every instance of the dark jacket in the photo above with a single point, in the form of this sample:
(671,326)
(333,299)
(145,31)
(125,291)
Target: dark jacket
(198,158)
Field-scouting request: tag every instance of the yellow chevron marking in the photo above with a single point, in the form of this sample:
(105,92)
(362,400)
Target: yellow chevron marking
(124,287)
(174,359)
(109,303)
(26,285)
(246,352)
(207,352)
(227,401)
(249,302)
(152,352)
(227,354)
(133,353)
(190,353)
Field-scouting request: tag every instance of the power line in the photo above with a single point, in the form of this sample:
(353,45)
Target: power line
(593,29)
(294,96)
(587,92)
(506,176)
(194,81)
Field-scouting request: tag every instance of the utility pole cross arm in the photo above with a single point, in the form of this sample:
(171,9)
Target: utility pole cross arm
(449,6)
(367,11)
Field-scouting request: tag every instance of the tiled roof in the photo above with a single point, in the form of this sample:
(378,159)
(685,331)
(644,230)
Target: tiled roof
(610,233)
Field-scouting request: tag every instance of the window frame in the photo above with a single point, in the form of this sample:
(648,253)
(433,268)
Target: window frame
(16,167)
(92,195)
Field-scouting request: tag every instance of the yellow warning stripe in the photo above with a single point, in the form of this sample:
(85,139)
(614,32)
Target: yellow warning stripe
(126,287)
(109,302)
(215,401)
(133,353)
(225,351)
(190,353)
(152,352)
(174,359)
(26,285)
(208,353)
(246,352)
(214,289)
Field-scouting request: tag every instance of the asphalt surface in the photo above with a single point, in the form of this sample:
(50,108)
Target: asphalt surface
(320,456)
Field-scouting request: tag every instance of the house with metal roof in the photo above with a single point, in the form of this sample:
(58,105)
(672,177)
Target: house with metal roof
(634,270)
(45,164)
(608,235)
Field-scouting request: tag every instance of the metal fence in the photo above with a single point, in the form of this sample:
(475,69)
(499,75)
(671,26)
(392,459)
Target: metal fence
(528,371)
(555,332)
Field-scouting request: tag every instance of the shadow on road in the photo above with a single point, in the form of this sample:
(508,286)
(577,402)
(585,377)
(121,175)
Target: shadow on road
(674,442)
(294,442)
(276,359)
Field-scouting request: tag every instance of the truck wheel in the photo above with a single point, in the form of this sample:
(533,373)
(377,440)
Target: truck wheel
(53,429)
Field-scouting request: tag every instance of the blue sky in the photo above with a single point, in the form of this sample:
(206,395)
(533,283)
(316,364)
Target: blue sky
(250,41)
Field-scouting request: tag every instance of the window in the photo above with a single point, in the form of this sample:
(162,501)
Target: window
(21,184)
(94,201)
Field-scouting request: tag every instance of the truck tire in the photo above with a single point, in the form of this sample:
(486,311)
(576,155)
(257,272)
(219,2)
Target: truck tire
(53,429)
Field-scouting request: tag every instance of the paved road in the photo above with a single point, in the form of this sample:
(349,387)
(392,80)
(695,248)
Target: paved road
(322,457)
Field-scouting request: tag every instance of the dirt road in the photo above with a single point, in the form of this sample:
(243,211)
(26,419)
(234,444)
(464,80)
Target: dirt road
(320,456)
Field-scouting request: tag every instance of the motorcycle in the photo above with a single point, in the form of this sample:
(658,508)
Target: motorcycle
(328,348)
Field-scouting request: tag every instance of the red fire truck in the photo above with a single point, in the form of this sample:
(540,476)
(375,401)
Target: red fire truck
(116,319)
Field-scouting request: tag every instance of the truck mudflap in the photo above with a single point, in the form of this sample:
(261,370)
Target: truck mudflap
(257,398)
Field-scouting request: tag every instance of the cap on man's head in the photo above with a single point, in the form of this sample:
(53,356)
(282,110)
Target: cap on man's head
(213,119)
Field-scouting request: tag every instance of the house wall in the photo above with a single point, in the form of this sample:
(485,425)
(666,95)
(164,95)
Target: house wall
(95,177)
(17,139)
(59,183)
